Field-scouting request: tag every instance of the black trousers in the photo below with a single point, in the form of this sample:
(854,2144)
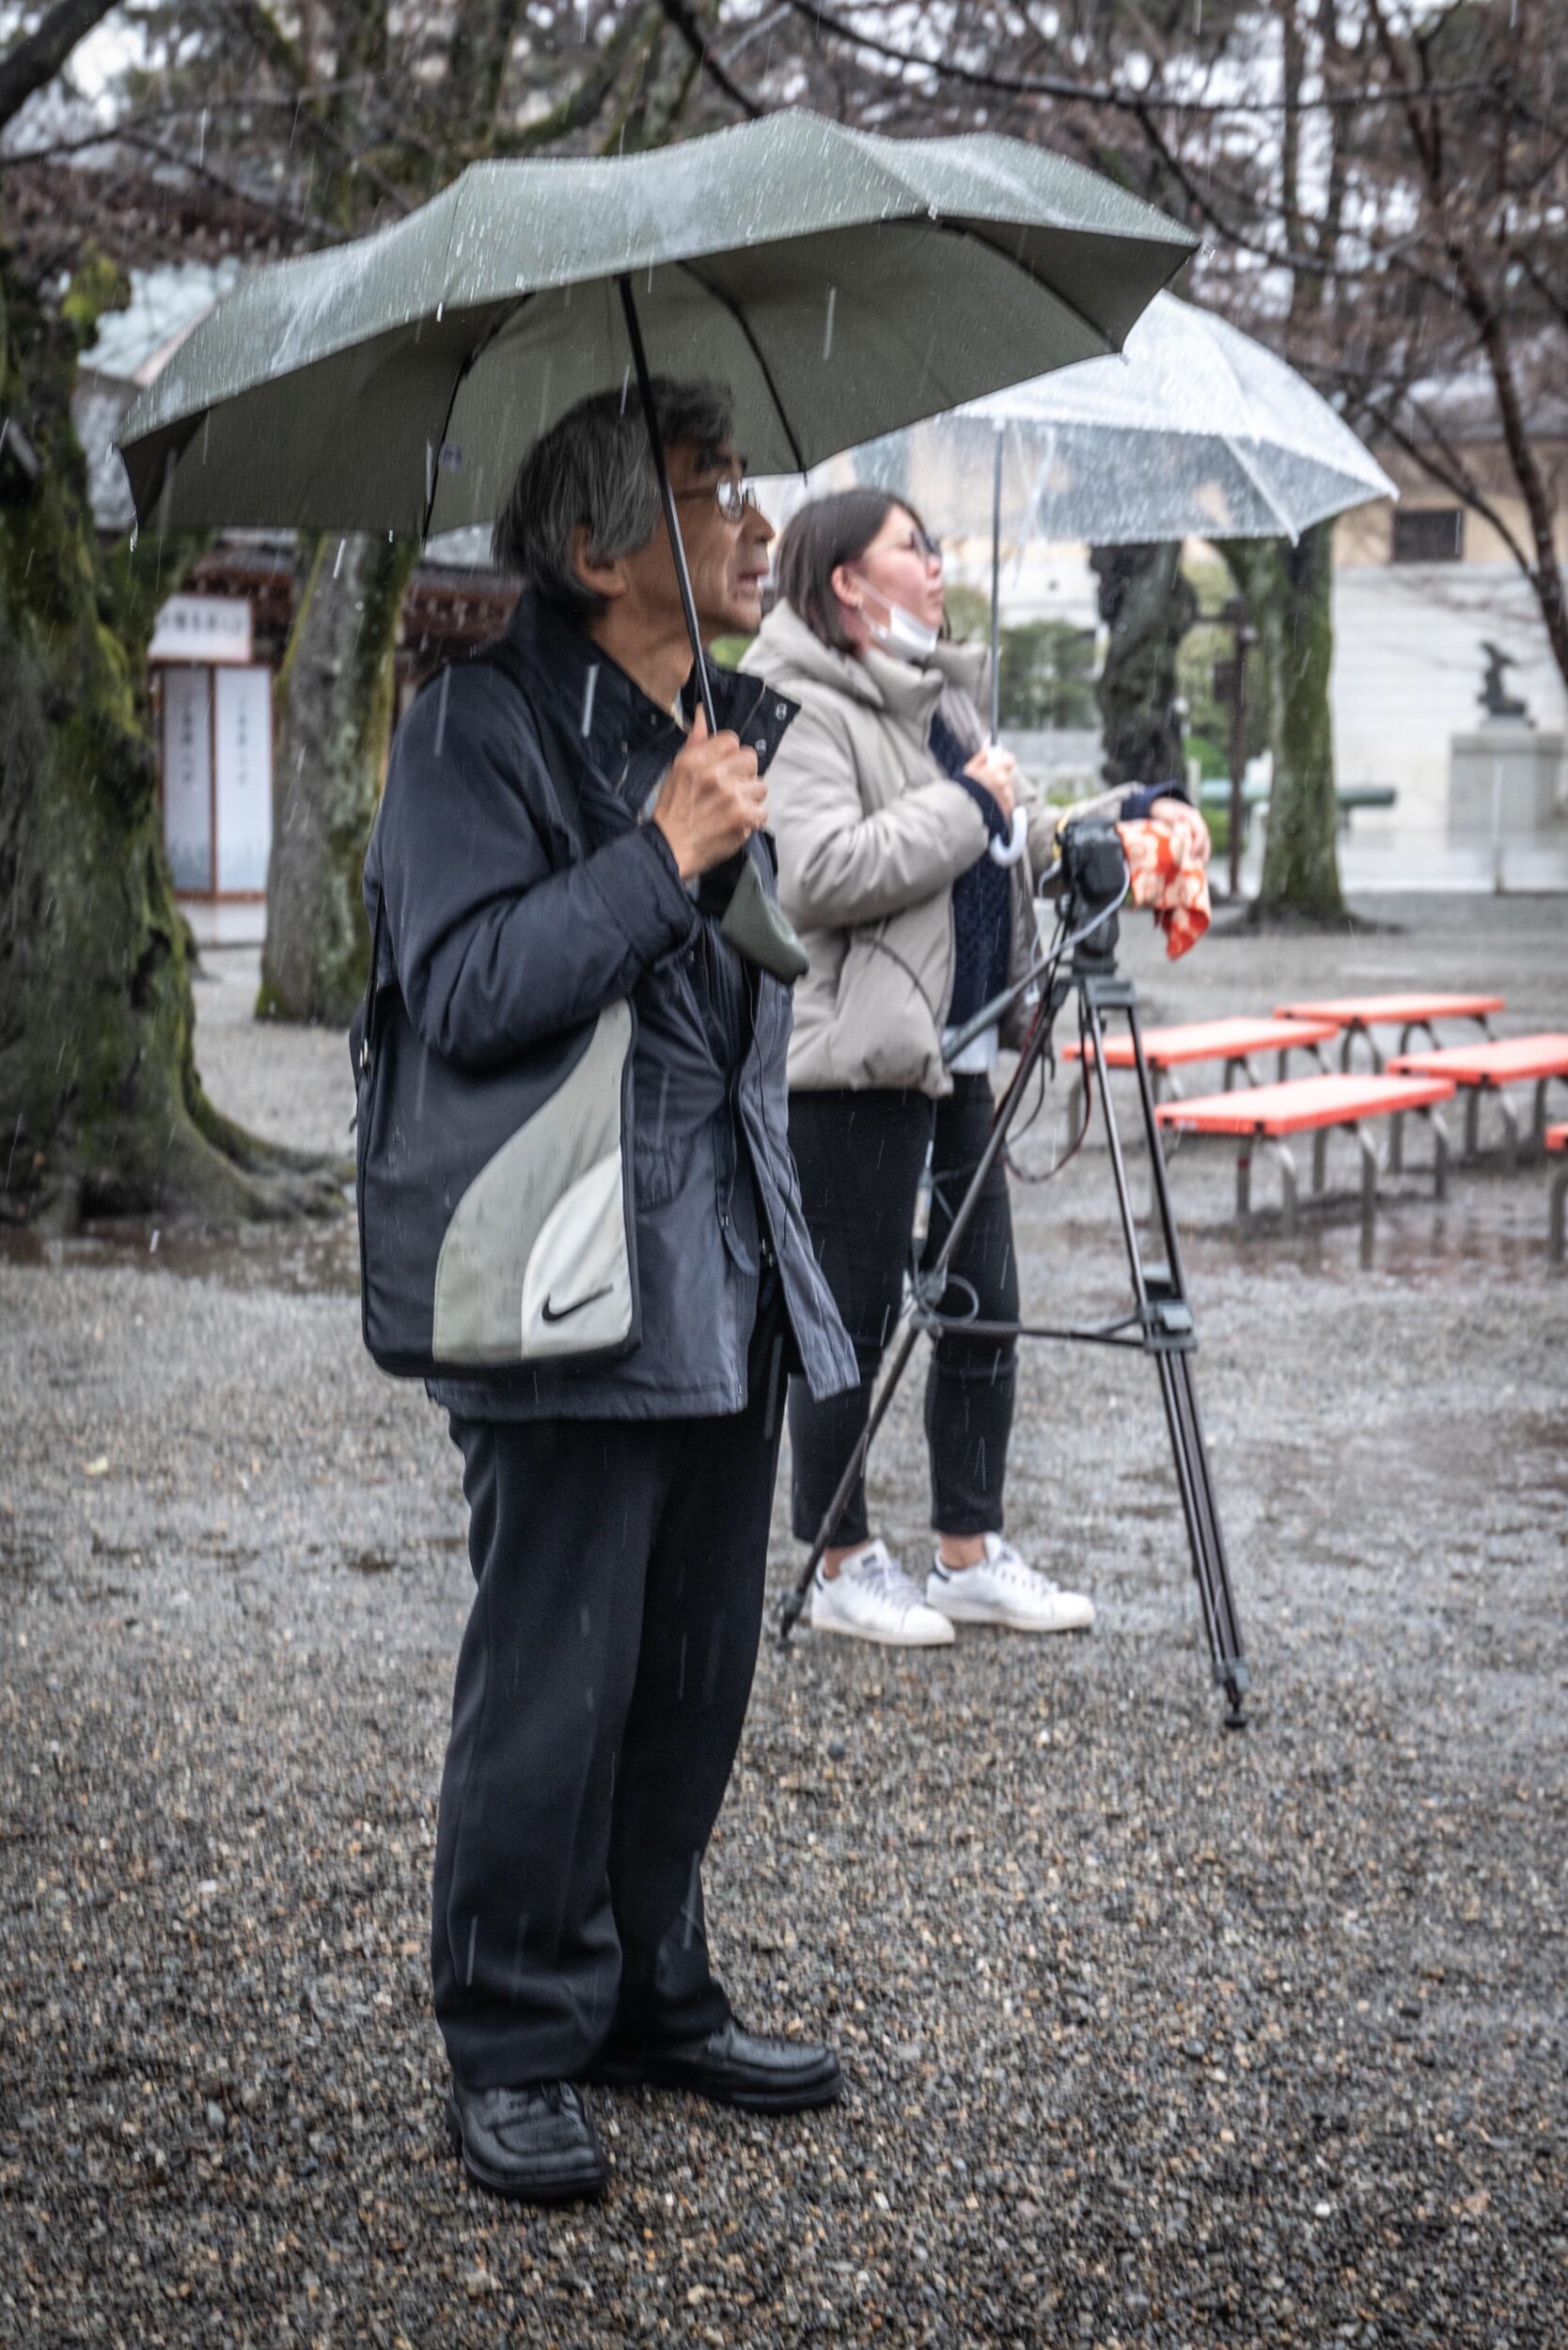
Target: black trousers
(860,1157)
(600,1687)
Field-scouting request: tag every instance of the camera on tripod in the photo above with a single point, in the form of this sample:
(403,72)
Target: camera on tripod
(1094,881)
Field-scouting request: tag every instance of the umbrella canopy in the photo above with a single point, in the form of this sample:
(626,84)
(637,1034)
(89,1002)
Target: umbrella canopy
(1195,432)
(842,285)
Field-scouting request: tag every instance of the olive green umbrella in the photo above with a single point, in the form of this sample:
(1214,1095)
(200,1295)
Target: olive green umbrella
(841,284)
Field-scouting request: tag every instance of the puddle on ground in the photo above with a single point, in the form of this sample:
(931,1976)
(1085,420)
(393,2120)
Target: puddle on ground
(1429,1250)
(301,1260)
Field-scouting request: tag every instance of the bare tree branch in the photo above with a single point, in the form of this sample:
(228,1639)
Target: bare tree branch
(1106,94)
(680,17)
(35,60)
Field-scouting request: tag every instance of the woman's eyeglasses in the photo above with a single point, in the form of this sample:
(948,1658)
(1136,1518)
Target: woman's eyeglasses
(920,543)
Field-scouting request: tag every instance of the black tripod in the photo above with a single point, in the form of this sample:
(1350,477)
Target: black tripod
(1160,1323)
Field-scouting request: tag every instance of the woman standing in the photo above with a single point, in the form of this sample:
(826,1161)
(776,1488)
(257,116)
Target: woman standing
(905,862)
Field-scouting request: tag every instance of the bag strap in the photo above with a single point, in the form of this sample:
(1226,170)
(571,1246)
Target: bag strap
(500,654)
(368,1017)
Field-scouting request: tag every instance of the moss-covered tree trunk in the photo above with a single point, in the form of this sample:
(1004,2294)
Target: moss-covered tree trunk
(334,707)
(1147,606)
(1288,594)
(101,1108)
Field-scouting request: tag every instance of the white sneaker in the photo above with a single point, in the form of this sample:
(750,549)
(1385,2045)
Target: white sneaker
(871,1598)
(1003,1589)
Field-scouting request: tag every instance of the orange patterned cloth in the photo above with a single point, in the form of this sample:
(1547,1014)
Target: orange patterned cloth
(1168,863)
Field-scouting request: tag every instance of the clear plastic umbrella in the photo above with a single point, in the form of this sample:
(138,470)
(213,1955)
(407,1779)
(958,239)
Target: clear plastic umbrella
(1195,431)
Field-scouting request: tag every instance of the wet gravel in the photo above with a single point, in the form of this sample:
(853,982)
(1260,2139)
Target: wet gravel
(1153,2035)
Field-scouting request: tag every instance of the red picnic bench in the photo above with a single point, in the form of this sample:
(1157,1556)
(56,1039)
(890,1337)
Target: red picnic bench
(1482,1069)
(1321,1106)
(1556,1139)
(1233,1042)
(1411,1014)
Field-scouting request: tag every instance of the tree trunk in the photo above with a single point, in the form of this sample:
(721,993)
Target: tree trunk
(1148,607)
(1288,594)
(101,1108)
(335,703)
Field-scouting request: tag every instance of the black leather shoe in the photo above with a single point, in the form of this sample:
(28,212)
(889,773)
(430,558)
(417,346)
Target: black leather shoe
(535,2144)
(732,2067)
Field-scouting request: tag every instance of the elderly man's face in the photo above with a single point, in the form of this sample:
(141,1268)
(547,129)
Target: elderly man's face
(727,558)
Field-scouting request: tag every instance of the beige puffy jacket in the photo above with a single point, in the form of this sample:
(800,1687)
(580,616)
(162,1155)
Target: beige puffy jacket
(872,834)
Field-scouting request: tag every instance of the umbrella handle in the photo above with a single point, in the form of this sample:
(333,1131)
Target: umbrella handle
(667,498)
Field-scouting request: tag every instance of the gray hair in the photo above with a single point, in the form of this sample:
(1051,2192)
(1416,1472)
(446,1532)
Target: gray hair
(593,470)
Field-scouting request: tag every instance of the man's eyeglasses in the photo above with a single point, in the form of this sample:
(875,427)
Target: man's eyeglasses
(734,497)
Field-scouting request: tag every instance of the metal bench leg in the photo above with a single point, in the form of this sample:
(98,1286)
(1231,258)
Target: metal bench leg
(1538,1120)
(1510,1132)
(1289,1218)
(1369,1182)
(1559,1218)
(1396,1143)
(1472,1121)
(1243,1189)
(1319,1160)
(1440,1154)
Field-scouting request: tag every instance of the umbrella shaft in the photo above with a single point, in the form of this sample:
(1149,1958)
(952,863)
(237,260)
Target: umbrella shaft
(997,587)
(667,497)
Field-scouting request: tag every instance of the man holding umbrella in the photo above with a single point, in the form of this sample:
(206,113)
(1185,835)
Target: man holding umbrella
(548,818)
(547,815)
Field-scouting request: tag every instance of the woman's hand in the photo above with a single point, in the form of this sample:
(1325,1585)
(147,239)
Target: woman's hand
(1178,812)
(997,771)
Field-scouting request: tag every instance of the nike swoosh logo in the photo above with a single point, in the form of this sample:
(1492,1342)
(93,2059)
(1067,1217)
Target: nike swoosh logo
(550,1312)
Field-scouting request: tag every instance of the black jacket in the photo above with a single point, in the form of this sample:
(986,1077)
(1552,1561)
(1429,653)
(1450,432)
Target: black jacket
(504,925)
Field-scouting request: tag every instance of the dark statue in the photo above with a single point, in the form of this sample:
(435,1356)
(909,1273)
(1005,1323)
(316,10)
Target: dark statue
(1494,700)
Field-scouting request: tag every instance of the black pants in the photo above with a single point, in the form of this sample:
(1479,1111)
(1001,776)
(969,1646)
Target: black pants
(860,1157)
(600,1688)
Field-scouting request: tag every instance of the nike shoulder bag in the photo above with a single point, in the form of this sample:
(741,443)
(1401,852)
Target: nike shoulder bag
(496,1211)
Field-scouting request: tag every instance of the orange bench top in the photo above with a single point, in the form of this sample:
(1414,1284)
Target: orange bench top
(1212,1039)
(1303,1103)
(1514,1060)
(1377,1011)
(1557,1137)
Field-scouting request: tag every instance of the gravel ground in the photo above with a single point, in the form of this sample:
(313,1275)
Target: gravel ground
(1153,2035)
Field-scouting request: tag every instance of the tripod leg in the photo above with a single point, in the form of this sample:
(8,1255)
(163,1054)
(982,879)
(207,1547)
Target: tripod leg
(1194,1478)
(1211,1571)
(790,1614)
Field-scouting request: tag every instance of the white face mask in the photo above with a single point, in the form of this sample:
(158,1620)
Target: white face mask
(902,635)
